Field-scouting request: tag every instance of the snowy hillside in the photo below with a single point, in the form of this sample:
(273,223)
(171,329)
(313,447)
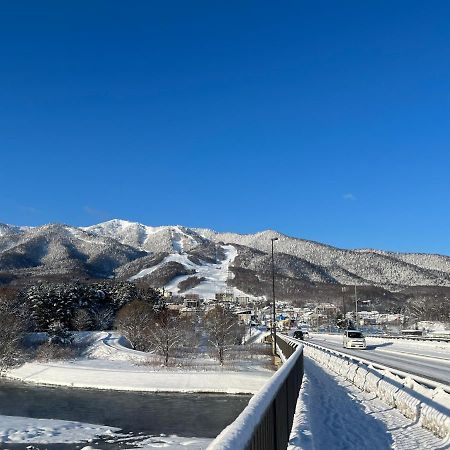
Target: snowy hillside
(350,266)
(155,239)
(210,277)
(58,249)
(198,260)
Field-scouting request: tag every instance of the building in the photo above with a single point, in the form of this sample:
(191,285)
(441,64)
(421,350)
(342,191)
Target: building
(224,297)
(192,301)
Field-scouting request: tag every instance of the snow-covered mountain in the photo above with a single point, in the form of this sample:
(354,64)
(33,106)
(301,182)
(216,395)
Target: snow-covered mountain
(59,249)
(201,260)
(153,239)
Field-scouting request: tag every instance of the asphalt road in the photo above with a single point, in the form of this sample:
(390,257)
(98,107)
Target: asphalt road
(428,360)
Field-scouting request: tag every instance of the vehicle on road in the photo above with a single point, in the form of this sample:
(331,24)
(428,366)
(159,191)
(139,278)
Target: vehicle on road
(354,339)
(298,334)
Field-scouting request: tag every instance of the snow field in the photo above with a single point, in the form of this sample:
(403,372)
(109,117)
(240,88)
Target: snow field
(431,408)
(110,365)
(25,430)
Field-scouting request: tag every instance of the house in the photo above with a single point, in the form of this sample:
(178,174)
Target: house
(243,301)
(224,297)
(192,301)
(245,315)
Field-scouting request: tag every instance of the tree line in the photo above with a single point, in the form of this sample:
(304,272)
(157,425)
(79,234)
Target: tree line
(137,310)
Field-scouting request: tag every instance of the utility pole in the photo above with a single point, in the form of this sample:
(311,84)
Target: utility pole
(344,289)
(356,309)
(274,327)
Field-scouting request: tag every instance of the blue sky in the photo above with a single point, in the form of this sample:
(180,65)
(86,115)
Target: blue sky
(325,120)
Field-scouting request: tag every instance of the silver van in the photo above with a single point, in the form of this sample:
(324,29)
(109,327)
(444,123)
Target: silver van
(354,339)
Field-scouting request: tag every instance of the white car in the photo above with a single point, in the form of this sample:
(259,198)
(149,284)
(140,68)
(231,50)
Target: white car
(354,339)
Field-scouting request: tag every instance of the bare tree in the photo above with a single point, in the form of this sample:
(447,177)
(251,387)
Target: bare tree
(135,321)
(147,328)
(223,330)
(81,320)
(102,317)
(169,332)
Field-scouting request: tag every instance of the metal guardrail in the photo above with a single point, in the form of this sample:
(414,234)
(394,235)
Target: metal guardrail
(266,422)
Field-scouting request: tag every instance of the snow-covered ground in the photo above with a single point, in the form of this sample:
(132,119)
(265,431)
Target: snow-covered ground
(332,414)
(25,430)
(111,366)
(47,431)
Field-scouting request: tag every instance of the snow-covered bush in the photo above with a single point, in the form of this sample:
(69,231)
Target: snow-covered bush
(59,335)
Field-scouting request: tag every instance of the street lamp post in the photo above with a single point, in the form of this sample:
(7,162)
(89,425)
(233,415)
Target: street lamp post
(344,289)
(274,327)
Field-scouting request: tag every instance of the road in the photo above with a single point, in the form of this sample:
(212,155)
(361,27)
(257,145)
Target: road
(427,359)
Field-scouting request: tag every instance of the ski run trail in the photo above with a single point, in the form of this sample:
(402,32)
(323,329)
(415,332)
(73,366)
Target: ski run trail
(333,414)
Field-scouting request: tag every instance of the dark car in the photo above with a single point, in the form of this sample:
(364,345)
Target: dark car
(298,334)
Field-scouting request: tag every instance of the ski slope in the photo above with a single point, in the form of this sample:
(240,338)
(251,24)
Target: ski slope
(214,275)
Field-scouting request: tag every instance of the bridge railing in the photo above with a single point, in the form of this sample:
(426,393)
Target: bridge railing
(425,401)
(266,422)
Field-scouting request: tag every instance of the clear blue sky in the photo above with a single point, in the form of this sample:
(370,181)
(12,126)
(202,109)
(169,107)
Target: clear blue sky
(327,120)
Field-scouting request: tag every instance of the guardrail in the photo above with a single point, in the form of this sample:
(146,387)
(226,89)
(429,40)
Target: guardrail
(410,338)
(406,392)
(266,422)
(396,336)
(417,378)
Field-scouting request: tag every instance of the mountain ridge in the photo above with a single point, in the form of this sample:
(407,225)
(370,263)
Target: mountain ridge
(123,249)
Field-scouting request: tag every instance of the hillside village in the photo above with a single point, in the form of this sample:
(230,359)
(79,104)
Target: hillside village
(255,312)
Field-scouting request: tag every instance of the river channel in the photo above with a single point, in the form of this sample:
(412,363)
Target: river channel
(189,415)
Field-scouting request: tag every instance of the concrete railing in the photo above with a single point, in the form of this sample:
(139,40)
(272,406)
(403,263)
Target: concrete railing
(266,422)
(424,401)
(411,338)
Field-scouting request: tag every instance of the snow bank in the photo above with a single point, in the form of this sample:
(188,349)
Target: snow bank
(167,442)
(25,430)
(46,431)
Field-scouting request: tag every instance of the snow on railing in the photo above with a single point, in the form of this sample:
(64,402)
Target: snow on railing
(417,398)
(266,421)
